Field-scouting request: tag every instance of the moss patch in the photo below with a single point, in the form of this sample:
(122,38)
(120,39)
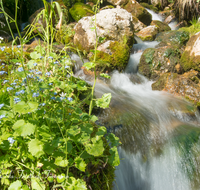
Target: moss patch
(80,10)
(117,60)
(193,29)
(145,64)
(65,34)
(178,38)
(151,7)
(161,25)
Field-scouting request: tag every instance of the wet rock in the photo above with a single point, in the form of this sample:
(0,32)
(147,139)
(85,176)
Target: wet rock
(186,85)
(190,58)
(80,10)
(162,27)
(138,25)
(148,34)
(112,24)
(138,11)
(155,62)
(172,38)
(117,2)
(169,19)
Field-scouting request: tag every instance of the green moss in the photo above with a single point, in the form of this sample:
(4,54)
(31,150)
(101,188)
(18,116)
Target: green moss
(117,60)
(161,25)
(146,38)
(178,38)
(80,10)
(188,62)
(108,7)
(145,64)
(193,29)
(65,34)
(151,7)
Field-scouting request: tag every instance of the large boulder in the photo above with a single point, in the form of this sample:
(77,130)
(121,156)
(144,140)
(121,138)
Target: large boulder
(172,38)
(154,62)
(148,34)
(80,10)
(138,11)
(112,24)
(138,25)
(186,85)
(190,59)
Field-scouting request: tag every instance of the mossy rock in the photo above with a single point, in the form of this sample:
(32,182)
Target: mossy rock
(80,10)
(190,58)
(160,83)
(151,7)
(117,59)
(145,64)
(65,34)
(139,12)
(178,38)
(162,27)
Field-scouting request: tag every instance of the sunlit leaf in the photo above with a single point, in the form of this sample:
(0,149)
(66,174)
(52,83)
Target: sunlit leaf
(89,65)
(16,185)
(35,147)
(104,101)
(36,184)
(80,164)
(60,161)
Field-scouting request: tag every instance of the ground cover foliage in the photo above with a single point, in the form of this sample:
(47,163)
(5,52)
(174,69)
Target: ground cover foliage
(47,140)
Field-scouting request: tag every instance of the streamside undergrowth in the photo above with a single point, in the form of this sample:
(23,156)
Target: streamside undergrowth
(47,141)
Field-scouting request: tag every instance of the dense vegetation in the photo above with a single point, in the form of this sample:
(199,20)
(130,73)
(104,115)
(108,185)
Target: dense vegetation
(48,140)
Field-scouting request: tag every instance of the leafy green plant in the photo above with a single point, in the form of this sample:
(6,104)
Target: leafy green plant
(46,138)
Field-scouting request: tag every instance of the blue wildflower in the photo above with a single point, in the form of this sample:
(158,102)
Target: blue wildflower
(50,57)
(2,63)
(2,116)
(38,73)
(2,48)
(70,99)
(56,62)
(14,83)
(36,94)
(9,89)
(50,84)
(16,100)
(55,93)
(31,71)
(48,74)
(43,104)
(16,80)
(11,140)
(18,46)
(20,69)
(18,63)
(1,105)
(34,64)
(62,98)
(53,98)
(66,67)
(2,72)
(41,57)
(5,81)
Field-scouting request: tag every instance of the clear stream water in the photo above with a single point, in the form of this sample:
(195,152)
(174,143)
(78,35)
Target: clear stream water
(159,133)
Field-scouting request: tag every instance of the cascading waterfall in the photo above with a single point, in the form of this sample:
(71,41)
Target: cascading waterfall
(159,133)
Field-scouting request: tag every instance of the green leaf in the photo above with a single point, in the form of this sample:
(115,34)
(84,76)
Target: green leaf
(96,147)
(36,184)
(30,64)
(87,127)
(101,131)
(78,184)
(60,161)
(89,65)
(23,128)
(93,118)
(23,107)
(35,147)
(114,157)
(81,85)
(16,185)
(35,55)
(113,139)
(74,130)
(80,164)
(105,75)
(104,101)
(101,39)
